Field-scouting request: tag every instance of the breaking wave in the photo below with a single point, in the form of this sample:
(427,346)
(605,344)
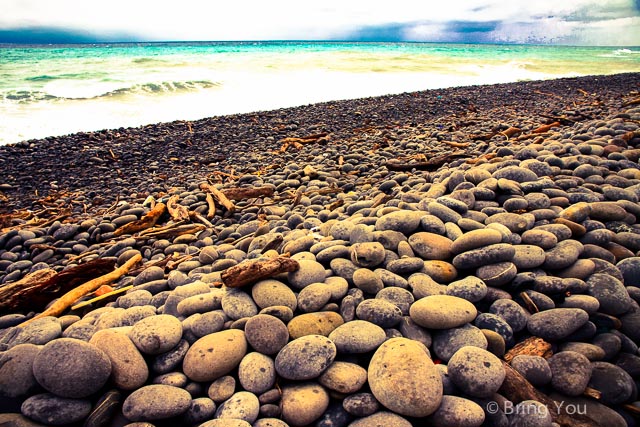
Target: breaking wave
(151,88)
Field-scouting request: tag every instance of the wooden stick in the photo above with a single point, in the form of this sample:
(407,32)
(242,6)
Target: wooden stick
(172,230)
(532,346)
(197,217)
(101,297)
(72,296)
(457,144)
(430,165)
(9,294)
(176,210)
(147,221)
(240,193)
(517,389)
(38,289)
(508,133)
(220,197)
(631,102)
(545,128)
(252,271)
(211,213)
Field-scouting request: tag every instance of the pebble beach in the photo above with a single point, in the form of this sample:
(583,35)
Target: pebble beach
(456,257)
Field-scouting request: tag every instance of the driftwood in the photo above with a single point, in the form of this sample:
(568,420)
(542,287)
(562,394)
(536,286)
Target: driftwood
(219,197)
(517,389)
(240,193)
(633,101)
(101,297)
(532,346)
(211,204)
(429,165)
(299,142)
(545,128)
(67,300)
(176,210)
(147,221)
(14,295)
(171,230)
(252,271)
(508,133)
(456,144)
(36,290)
(195,216)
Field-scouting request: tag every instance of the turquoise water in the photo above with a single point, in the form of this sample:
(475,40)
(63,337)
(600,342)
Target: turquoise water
(59,89)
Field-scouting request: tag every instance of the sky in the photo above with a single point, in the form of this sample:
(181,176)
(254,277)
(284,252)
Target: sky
(572,22)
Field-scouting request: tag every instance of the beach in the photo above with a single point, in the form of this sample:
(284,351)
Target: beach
(462,256)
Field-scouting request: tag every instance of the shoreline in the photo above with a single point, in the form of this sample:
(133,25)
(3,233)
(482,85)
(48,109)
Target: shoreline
(123,157)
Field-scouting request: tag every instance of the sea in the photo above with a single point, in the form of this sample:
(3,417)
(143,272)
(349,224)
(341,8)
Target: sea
(51,90)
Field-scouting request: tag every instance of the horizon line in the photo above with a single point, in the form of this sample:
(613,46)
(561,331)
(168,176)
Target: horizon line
(352,41)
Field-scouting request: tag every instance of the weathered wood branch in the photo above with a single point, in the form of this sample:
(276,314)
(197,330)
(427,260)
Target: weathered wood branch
(517,389)
(546,128)
(171,230)
(176,210)
(211,204)
(240,193)
(429,165)
(219,197)
(36,290)
(633,101)
(67,300)
(252,271)
(147,221)
(532,346)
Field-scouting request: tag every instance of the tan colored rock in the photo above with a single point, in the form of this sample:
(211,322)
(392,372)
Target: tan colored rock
(129,370)
(320,323)
(344,377)
(303,403)
(215,355)
(442,312)
(404,379)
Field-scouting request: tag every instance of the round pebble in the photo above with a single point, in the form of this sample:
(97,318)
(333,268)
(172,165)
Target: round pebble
(256,372)
(156,334)
(442,312)
(128,368)
(270,292)
(557,323)
(431,246)
(535,369)
(16,370)
(54,410)
(319,352)
(475,239)
(304,403)
(242,405)
(215,355)
(156,402)
(357,336)
(309,272)
(476,372)
(471,288)
(344,377)
(71,368)
(403,378)
(379,312)
(610,293)
(448,341)
(457,411)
